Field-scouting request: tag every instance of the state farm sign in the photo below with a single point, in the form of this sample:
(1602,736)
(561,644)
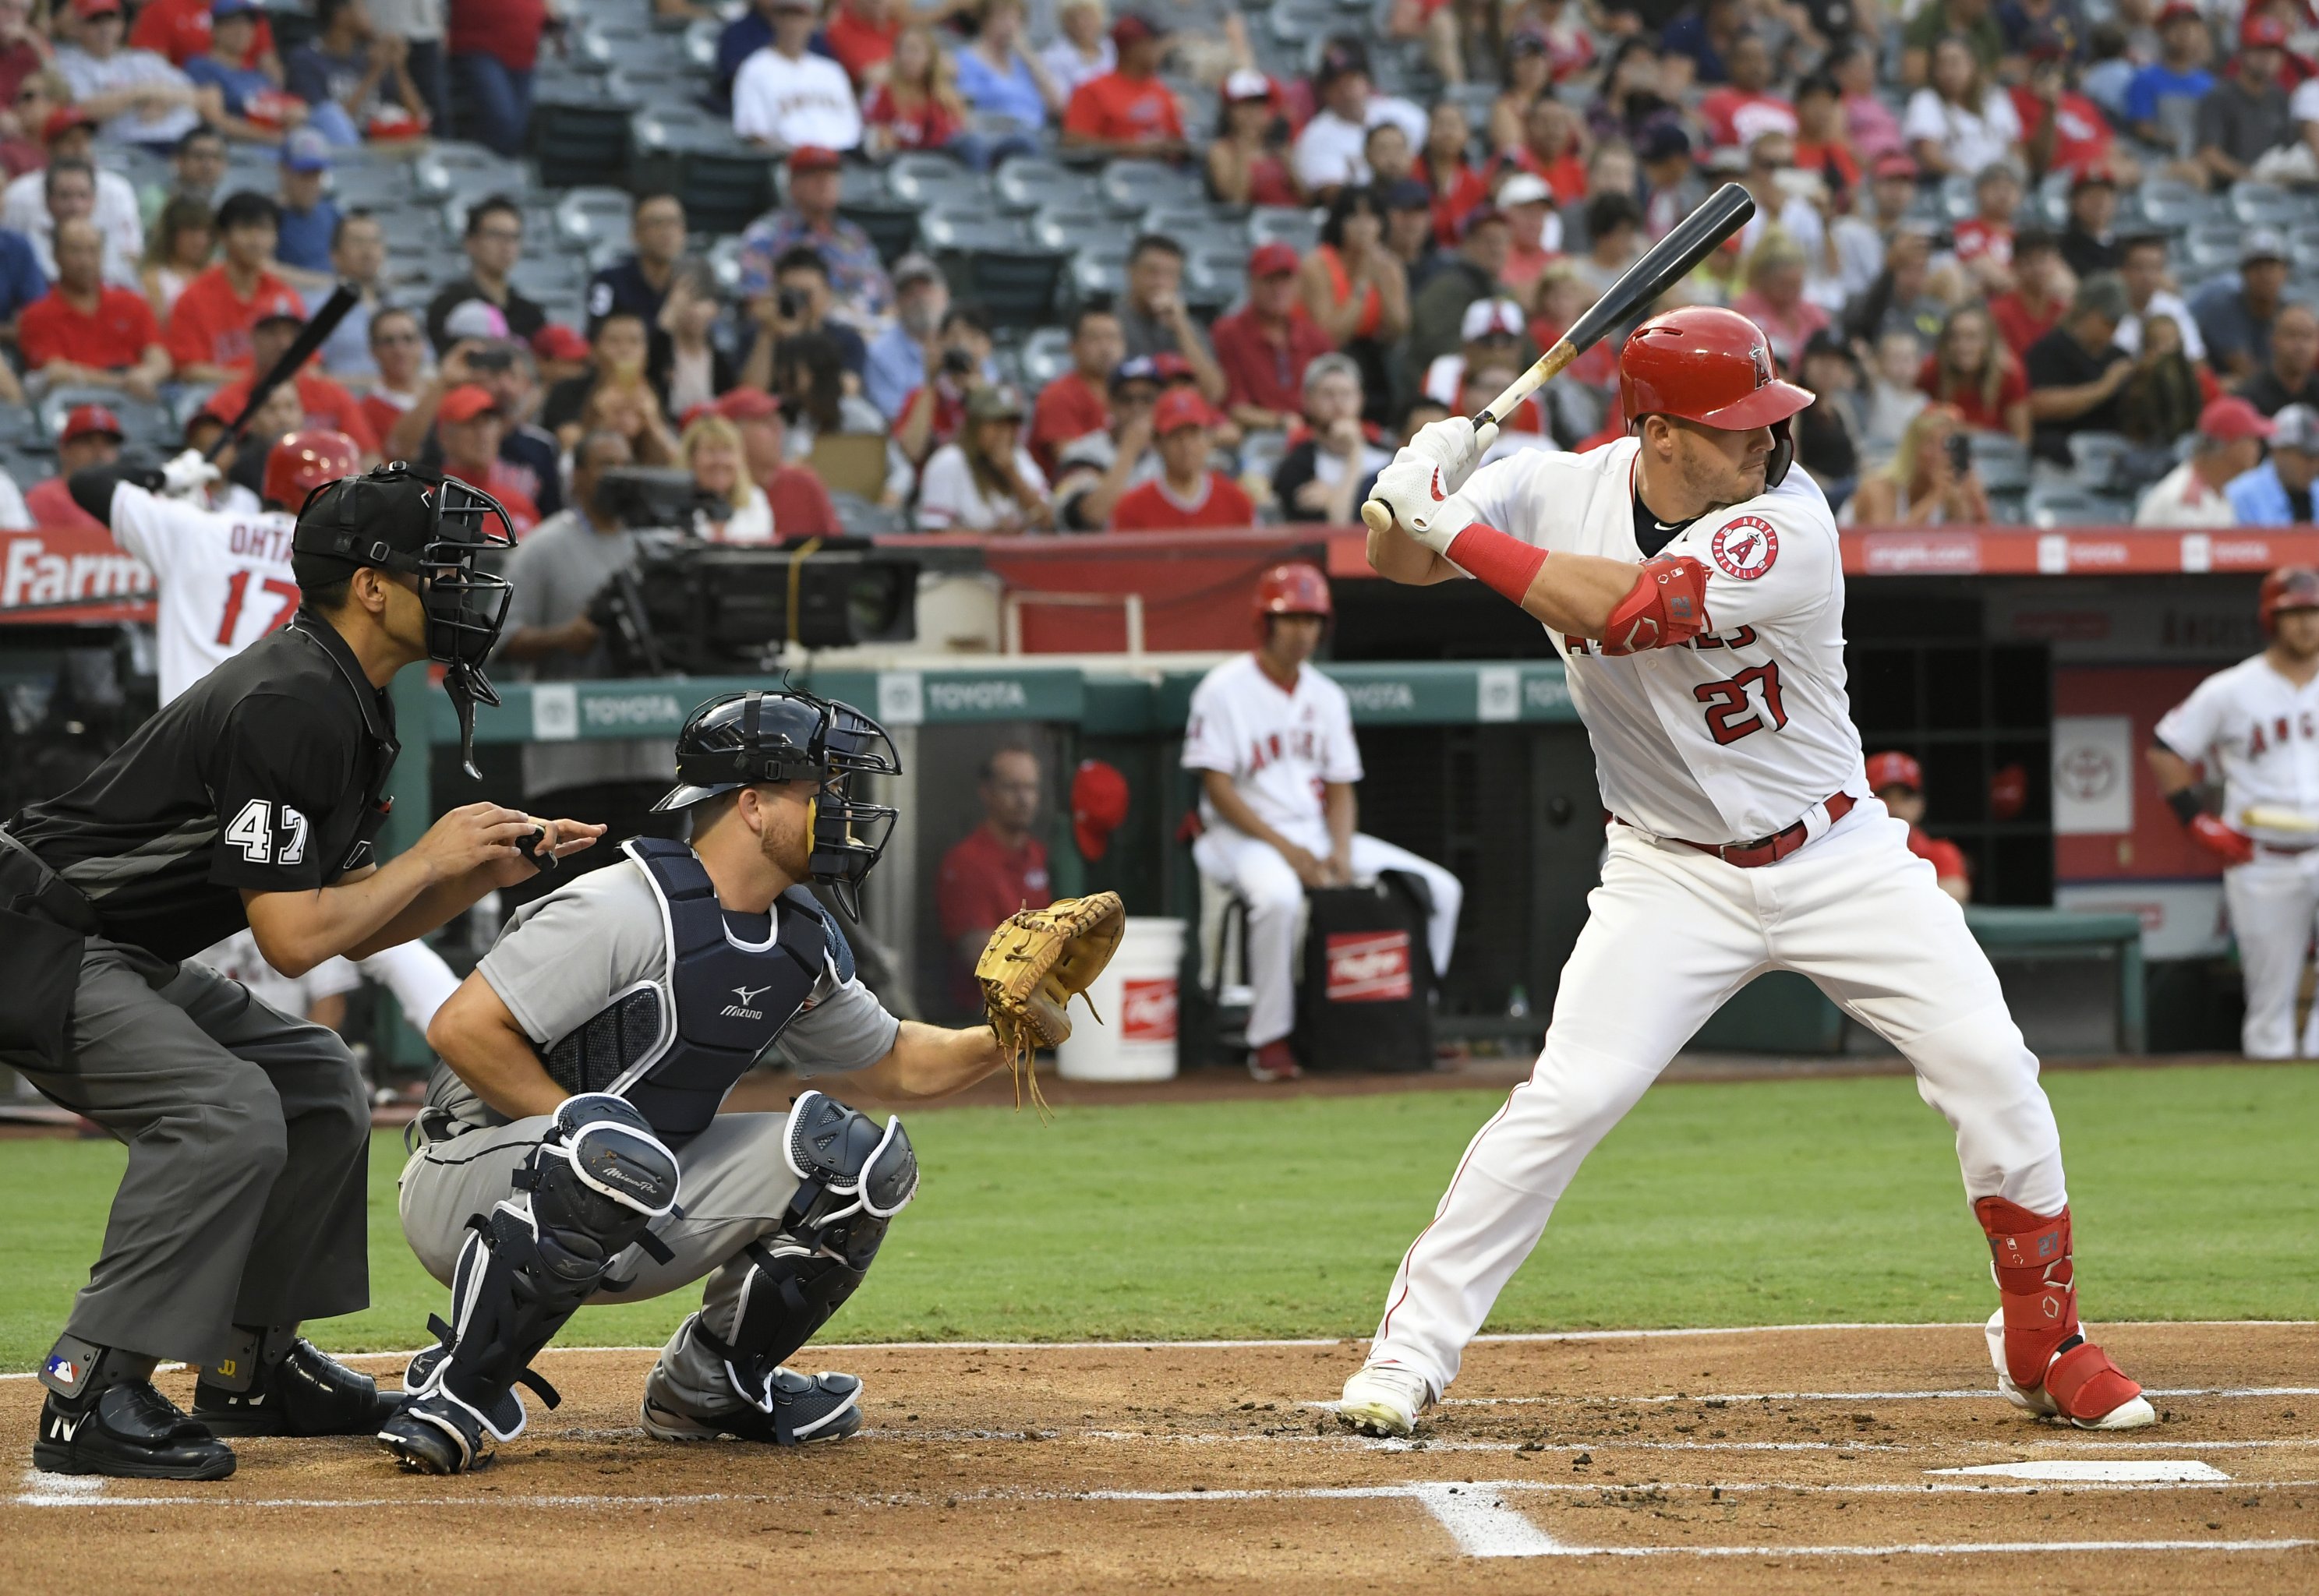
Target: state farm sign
(56,569)
(1147,1010)
(1369,966)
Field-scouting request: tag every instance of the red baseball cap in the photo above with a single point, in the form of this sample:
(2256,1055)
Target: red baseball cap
(1131,29)
(2262,32)
(1099,804)
(556,341)
(2230,417)
(1275,259)
(1170,366)
(84,9)
(813,157)
(1479,216)
(1895,768)
(1178,409)
(63,120)
(747,404)
(466,403)
(1896,165)
(2175,11)
(90,420)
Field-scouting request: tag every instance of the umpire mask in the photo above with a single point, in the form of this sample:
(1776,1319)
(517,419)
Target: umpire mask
(418,523)
(744,738)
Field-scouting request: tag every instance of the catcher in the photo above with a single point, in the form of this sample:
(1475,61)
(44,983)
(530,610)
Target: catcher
(570,1148)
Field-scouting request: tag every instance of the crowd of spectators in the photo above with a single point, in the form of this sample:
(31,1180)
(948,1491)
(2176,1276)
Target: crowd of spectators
(1955,246)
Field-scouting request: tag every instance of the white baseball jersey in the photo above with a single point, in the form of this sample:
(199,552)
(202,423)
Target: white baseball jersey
(225,578)
(1280,746)
(2258,732)
(1739,732)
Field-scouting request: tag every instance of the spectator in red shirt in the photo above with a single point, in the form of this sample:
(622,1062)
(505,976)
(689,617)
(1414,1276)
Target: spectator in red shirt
(180,30)
(1078,402)
(1745,108)
(2061,131)
(1970,370)
(1459,186)
(936,408)
(995,869)
(1550,150)
(2040,293)
(1899,782)
(800,501)
(325,402)
(91,436)
(916,104)
(398,346)
(87,333)
(1128,111)
(208,334)
(1822,145)
(1187,493)
(1984,240)
(468,426)
(1265,347)
(861,34)
(494,44)
(1246,163)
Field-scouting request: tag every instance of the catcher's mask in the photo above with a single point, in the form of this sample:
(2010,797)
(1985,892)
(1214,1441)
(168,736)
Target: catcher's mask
(416,522)
(742,739)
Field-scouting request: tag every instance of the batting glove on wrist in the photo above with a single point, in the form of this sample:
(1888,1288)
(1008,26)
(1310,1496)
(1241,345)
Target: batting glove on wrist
(1454,446)
(187,475)
(1412,488)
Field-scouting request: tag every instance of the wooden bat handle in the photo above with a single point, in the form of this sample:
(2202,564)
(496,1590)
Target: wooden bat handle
(1551,364)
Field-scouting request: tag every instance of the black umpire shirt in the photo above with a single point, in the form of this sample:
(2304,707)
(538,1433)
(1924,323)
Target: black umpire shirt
(266,775)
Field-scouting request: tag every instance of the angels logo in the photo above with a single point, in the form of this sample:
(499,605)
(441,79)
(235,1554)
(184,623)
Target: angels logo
(1763,361)
(1747,547)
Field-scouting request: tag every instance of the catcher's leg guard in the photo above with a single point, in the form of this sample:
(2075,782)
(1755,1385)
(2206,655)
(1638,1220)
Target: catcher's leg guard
(727,1379)
(2043,1361)
(592,1188)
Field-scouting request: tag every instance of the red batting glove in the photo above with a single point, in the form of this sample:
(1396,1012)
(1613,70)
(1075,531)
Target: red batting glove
(2232,847)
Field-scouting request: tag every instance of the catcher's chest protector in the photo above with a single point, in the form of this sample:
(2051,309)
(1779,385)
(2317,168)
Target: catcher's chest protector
(721,1006)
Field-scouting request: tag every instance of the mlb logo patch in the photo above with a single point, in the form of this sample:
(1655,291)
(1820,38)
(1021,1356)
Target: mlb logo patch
(1369,966)
(64,1369)
(1147,1010)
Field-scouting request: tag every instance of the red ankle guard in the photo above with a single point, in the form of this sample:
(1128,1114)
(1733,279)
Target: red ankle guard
(2035,1284)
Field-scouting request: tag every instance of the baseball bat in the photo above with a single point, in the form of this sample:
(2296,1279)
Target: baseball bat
(319,326)
(1663,266)
(2267,818)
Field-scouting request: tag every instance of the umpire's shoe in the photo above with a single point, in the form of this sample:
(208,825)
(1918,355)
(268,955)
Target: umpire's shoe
(797,1410)
(128,1430)
(303,1393)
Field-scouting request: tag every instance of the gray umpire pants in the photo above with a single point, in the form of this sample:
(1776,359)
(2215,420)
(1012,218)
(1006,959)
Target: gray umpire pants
(249,1136)
(733,1186)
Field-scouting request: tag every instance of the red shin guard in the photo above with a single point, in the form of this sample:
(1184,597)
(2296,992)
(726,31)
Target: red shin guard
(2035,1284)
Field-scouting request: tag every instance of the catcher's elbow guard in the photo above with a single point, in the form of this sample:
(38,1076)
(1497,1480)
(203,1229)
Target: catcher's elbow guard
(1667,605)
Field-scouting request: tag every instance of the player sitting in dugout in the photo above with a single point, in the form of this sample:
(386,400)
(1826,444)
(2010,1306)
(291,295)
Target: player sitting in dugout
(1273,742)
(1899,780)
(571,1150)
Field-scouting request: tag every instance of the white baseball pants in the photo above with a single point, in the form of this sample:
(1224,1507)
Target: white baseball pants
(2274,904)
(1672,934)
(1256,870)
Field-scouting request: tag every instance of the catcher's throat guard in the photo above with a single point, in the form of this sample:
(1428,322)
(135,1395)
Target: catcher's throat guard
(742,739)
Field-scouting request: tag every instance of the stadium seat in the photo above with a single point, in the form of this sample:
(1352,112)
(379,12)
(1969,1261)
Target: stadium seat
(589,216)
(970,227)
(451,166)
(2002,461)
(142,421)
(893,229)
(724,191)
(1045,356)
(2169,204)
(1031,183)
(1098,271)
(2211,247)
(2097,460)
(1293,226)
(2267,205)
(1956,197)
(1069,224)
(864,519)
(1215,276)
(921,179)
(1132,188)
(2052,199)
(2061,506)
(581,144)
(1261,453)
(1297,22)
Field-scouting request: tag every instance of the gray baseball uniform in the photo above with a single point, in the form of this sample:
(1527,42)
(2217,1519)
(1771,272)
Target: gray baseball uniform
(559,963)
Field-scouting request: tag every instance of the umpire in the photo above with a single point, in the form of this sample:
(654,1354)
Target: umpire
(250,800)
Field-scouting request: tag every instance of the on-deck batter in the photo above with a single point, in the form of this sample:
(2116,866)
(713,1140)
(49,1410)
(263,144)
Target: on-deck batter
(1711,679)
(2257,726)
(226,582)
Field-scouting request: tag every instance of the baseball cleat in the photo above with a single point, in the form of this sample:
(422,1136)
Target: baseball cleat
(435,1435)
(1274,1062)
(1384,1399)
(129,1431)
(2082,1387)
(305,1392)
(795,1412)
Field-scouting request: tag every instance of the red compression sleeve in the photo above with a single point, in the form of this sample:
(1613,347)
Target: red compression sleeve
(1505,565)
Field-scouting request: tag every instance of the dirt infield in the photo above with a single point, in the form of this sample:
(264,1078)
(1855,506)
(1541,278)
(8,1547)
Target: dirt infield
(1820,1458)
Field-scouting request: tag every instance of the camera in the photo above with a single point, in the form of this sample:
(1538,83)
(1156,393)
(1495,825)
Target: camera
(958,363)
(500,359)
(639,497)
(1960,450)
(792,304)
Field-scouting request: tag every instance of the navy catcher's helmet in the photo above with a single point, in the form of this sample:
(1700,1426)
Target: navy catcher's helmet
(745,738)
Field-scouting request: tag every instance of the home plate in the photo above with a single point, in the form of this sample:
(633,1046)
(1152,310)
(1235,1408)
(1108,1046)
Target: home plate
(2148,1471)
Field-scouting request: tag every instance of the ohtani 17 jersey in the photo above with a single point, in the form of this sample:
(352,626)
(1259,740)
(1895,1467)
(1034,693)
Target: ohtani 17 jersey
(225,578)
(2258,732)
(1737,734)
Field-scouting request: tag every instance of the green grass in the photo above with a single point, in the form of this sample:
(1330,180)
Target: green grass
(1761,1202)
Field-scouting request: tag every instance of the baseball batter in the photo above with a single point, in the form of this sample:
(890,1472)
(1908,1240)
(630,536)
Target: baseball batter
(1691,582)
(1272,741)
(2256,726)
(226,582)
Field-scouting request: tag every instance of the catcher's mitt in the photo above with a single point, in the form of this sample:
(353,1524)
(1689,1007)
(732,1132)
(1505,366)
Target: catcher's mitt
(1035,964)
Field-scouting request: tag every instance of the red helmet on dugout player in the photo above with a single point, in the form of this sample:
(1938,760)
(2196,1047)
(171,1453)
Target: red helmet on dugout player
(1894,768)
(2290,587)
(1713,366)
(1292,589)
(304,461)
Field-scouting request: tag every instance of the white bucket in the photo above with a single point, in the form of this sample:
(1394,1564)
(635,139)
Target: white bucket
(1136,995)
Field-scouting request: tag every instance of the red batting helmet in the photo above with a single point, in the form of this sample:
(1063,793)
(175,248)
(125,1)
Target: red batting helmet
(1894,768)
(304,461)
(2290,587)
(1713,366)
(1293,589)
